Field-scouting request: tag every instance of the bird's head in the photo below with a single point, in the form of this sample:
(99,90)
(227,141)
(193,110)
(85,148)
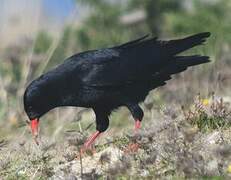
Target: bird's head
(36,104)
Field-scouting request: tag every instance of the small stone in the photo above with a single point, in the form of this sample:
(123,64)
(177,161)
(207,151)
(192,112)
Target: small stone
(212,168)
(144,173)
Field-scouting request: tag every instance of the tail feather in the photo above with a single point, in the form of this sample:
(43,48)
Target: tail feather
(191,60)
(180,45)
(179,64)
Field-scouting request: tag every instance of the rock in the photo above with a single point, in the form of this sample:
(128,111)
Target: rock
(213,138)
(144,173)
(90,164)
(212,168)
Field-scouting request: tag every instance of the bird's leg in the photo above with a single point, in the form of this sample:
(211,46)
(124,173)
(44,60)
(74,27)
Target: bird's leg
(137,114)
(102,123)
(137,125)
(133,147)
(91,139)
(87,145)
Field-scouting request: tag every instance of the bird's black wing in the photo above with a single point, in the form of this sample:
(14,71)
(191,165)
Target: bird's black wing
(142,60)
(117,66)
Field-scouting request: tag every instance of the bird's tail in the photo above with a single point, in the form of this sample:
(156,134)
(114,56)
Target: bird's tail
(181,63)
(177,65)
(177,46)
(191,60)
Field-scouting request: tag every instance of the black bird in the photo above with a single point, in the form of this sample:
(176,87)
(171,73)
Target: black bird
(108,78)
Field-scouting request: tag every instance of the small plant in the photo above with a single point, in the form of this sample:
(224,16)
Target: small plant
(211,113)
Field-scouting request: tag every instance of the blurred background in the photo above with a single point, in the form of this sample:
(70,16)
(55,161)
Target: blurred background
(186,127)
(36,35)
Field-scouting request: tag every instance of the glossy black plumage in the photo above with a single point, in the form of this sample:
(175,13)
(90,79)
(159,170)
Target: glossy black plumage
(108,78)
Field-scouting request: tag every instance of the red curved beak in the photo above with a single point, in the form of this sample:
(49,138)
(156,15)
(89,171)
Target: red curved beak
(34,124)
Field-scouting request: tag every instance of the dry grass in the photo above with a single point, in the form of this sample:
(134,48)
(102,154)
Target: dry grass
(170,146)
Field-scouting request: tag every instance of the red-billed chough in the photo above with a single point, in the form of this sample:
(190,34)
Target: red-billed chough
(108,78)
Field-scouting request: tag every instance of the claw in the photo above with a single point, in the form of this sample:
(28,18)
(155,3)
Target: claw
(86,149)
(36,140)
(132,148)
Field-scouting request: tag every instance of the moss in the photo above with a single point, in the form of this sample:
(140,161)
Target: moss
(213,178)
(119,142)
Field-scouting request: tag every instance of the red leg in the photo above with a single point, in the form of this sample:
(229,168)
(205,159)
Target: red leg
(88,144)
(137,125)
(91,139)
(133,147)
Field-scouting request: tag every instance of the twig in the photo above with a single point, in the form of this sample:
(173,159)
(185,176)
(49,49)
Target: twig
(81,164)
(89,126)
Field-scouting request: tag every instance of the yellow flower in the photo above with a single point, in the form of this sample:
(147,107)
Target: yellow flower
(205,102)
(229,169)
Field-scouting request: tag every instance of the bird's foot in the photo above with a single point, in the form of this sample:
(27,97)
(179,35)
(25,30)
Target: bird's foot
(87,147)
(86,152)
(132,148)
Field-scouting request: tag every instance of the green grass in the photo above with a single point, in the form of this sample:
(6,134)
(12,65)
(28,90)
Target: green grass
(206,123)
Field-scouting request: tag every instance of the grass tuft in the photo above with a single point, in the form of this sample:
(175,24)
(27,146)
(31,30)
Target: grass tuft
(209,114)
